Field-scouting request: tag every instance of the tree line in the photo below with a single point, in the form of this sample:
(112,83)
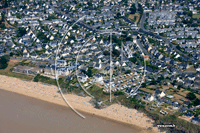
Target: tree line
(4,61)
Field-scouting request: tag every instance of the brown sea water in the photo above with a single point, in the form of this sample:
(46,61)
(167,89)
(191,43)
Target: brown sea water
(22,114)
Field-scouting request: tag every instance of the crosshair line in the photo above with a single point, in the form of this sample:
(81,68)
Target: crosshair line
(56,74)
(77,68)
(119,33)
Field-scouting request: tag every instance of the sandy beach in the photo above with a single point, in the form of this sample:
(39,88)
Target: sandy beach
(49,93)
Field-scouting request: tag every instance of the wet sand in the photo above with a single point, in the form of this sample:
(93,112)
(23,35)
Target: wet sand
(22,114)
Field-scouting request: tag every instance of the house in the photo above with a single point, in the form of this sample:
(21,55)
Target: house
(146,57)
(191,77)
(43,57)
(25,55)
(10,44)
(186,103)
(106,70)
(183,65)
(97,61)
(184,109)
(69,78)
(151,98)
(98,78)
(196,85)
(159,93)
(62,71)
(173,62)
(198,68)
(98,66)
(134,40)
(62,62)
(82,77)
(159,55)
(196,120)
(27,70)
(31,49)
(50,11)
(91,64)
(45,45)
(49,71)
(34,56)
(188,115)
(38,47)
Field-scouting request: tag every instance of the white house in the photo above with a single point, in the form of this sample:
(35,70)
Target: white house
(62,62)
(151,98)
(134,40)
(34,56)
(83,77)
(159,93)
(98,78)
(50,11)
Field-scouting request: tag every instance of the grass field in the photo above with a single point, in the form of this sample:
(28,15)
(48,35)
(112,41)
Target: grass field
(97,92)
(8,71)
(196,16)
(135,17)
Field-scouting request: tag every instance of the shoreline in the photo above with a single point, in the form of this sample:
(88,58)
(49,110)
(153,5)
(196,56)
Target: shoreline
(48,93)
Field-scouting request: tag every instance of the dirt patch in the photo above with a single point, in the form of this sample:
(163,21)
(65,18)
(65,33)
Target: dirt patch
(183,92)
(14,61)
(191,69)
(7,24)
(27,61)
(135,17)
(148,90)
(179,98)
(8,71)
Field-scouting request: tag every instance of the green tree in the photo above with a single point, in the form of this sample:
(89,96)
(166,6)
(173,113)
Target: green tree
(11,54)
(4,62)
(128,71)
(140,8)
(147,4)
(21,31)
(2,17)
(144,85)
(51,17)
(42,37)
(133,59)
(118,15)
(196,102)
(18,15)
(133,9)
(115,52)
(191,96)
(2,26)
(106,53)
(89,73)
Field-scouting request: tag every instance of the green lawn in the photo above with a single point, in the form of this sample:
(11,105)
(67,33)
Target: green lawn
(8,71)
(196,16)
